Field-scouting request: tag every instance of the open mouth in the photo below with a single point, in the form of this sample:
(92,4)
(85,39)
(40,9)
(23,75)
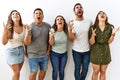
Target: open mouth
(79,12)
(38,18)
(60,23)
(102,16)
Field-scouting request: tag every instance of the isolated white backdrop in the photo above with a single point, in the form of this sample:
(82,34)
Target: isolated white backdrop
(51,9)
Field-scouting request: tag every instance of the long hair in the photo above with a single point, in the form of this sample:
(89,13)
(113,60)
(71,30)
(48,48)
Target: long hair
(10,23)
(97,21)
(65,28)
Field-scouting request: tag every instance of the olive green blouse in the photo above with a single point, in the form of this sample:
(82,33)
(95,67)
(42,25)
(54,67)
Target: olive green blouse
(100,50)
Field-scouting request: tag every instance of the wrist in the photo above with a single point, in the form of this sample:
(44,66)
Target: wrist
(93,35)
(113,34)
(28,33)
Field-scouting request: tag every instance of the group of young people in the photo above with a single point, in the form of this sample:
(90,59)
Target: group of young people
(39,40)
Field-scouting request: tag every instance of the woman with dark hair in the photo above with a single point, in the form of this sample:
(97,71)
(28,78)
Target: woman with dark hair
(58,40)
(101,34)
(16,36)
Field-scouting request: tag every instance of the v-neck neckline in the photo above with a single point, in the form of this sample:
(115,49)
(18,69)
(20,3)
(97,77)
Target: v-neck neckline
(103,29)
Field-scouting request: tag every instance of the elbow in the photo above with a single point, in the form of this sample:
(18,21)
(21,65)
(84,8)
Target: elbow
(4,43)
(27,43)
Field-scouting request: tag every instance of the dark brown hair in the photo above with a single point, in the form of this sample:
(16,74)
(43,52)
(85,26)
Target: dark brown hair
(65,25)
(11,24)
(76,5)
(38,9)
(97,21)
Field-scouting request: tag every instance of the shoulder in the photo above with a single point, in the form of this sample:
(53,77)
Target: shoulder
(32,24)
(88,20)
(110,25)
(46,24)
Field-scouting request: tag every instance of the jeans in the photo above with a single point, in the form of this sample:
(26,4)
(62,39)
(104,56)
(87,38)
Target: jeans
(58,62)
(35,63)
(81,61)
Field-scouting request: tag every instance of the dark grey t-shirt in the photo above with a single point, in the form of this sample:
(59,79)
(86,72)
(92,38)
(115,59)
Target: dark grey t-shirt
(39,42)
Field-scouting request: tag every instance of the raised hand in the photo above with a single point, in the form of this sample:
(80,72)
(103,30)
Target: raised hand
(114,30)
(118,29)
(27,27)
(93,32)
(6,27)
(70,25)
(51,32)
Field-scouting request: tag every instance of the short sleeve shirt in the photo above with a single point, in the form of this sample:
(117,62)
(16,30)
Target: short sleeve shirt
(81,28)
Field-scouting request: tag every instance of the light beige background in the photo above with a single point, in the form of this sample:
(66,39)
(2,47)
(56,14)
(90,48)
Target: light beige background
(51,9)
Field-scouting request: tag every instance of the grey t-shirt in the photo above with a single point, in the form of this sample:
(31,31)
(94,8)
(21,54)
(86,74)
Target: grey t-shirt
(39,42)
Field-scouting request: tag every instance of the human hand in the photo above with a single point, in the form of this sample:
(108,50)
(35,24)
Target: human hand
(114,30)
(27,28)
(93,32)
(52,32)
(6,27)
(70,25)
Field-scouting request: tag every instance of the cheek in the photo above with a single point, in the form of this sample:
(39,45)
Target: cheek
(99,17)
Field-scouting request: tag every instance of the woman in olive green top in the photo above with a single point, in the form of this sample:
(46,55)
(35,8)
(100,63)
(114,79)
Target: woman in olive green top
(101,34)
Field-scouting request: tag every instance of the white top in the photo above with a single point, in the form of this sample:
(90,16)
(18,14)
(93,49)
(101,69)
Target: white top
(18,40)
(81,28)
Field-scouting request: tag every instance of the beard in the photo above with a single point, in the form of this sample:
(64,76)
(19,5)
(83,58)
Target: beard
(80,15)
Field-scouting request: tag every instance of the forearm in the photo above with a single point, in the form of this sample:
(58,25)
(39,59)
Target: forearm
(111,38)
(71,36)
(27,39)
(92,40)
(4,38)
(51,40)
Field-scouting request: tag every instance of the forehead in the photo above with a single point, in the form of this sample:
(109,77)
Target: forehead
(38,11)
(59,17)
(101,12)
(14,12)
(78,6)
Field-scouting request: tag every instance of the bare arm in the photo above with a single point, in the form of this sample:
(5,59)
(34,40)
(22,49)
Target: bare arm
(111,38)
(114,30)
(48,51)
(4,35)
(27,39)
(92,39)
(71,35)
(51,38)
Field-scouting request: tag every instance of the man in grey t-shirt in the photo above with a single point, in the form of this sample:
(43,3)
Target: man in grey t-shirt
(38,50)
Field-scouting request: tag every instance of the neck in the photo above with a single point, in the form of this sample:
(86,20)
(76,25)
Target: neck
(38,24)
(16,24)
(79,18)
(59,28)
(102,24)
